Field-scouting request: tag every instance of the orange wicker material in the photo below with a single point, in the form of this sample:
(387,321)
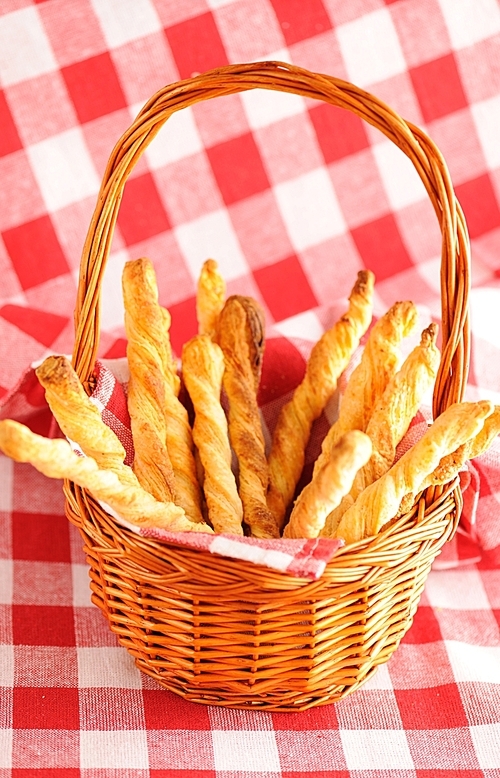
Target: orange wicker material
(227,632)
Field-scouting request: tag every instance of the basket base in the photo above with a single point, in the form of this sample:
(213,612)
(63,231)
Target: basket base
(277,700)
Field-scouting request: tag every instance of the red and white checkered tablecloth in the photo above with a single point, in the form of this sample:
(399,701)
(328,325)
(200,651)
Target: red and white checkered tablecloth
(292,198)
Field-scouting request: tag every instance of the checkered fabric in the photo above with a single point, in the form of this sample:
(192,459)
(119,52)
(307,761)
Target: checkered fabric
(292,197)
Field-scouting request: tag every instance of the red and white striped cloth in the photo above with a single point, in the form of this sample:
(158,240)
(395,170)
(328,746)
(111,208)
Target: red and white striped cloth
(319,196)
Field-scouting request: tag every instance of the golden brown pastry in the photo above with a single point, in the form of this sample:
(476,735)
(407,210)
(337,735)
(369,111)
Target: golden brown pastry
(210,296)
(380,501)
(164,460)
(145,329)
(55,459)
(79,418)
(328,486)
(240,334)
(170,366)
(327,361)
(399,404)
(450,465)
(380,360)
(202,370)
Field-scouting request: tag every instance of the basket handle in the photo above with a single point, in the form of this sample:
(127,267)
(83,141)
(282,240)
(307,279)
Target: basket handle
(279,76)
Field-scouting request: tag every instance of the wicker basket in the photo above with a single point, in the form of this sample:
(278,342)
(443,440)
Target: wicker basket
(227,632)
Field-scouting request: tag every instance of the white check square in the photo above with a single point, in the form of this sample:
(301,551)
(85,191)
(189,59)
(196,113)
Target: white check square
(486,739)
(486,116)
(212,235)
(401,181)
(265,106)
(117,749)
(177,139)
(6,581)
(457,590)
(470,21)
(63,168)
(107,667)
(376,749)
(81,586)
(25,50)
(482,302)
(125,20)
(7,481)
(245,751)
(370,48)
(7,666)
(295,326)
(310,209)
(111,291)
(6,740)
(475,664)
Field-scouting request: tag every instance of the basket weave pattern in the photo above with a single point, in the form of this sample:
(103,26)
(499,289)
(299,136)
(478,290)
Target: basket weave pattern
(227,632)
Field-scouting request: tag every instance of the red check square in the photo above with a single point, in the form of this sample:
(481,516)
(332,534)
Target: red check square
(43,625)
(438,87)
(439,707)
(35,252)
(46,708)
(40,537)
(141,213)
(41,325)
(42,772)
(184,323)
(181,713)
(480,205)
(238,168)
(196,45)
(94,87)
(182,773)
(425,627)
(9,139)
(446,773)
(301,20)
(283,369)
(339,132)
(285,288)
(315,774)
(381,247)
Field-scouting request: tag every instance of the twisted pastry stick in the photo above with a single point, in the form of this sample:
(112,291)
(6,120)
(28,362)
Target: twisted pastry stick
(380,360)
(140,284)
(55,459)
(328,485)
(327,361)
(380,501)
(450,465)
(169,366)
(210,296)
(164,460)
(240,336)
(399,404)
(392,416)
(202,369)
(147,360)
(80,419)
